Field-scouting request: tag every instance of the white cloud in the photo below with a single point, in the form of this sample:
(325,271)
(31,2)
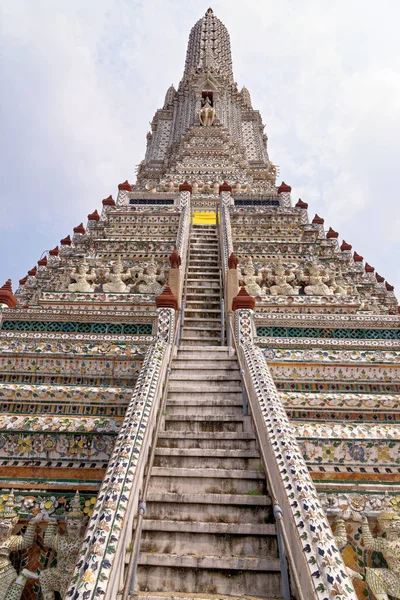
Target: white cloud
(81,81)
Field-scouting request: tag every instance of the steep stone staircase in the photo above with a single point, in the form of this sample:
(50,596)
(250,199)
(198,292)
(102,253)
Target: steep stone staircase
(202,325)
(208,531)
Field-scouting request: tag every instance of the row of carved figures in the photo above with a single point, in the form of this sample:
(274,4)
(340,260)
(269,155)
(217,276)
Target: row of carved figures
(281,280)
(146,279)
(383,582)
(66,546)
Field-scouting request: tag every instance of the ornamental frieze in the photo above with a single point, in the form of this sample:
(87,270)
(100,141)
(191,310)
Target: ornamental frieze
(58,424)
(322,372)
(59,393)
(68,447)
(369,402)
(329,355)
(356,453)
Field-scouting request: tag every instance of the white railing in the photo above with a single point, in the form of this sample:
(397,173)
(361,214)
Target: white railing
(315,562)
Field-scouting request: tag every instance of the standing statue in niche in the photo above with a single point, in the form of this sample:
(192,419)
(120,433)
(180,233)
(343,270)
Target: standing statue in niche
(12,584)
(281,281)
(207,113)
(384,582)
(116,278)
(83,281)
(251,280)
(67,547)
(151,281)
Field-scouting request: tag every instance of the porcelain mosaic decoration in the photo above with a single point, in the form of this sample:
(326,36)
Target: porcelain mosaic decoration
(87,337)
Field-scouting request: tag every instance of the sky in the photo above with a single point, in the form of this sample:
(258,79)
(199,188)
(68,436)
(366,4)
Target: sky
(81,79)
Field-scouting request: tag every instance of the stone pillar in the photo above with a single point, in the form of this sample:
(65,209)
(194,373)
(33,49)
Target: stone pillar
(174,276)
(123,193)
(284,191)
(232,282)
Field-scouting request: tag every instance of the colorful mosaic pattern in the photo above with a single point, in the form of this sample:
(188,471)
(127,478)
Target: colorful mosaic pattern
(84,327)
(316,332)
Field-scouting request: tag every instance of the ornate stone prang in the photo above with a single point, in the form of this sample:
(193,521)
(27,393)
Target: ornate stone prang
(6,295)
(243,300)
(166,299)
(125,186)
(232,261)
(174,259)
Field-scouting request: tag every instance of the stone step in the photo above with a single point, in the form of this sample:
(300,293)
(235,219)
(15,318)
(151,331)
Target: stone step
(213,282)
(202,323)
(207,480)
(200,311)
(197,401)
(223,398)
(201,363)
(202,295)
(184,596)
(207,387)
(203,423)
(202,329)
(195,341)
(180,460)
(214,453)
(205,374)
(199,336)
(203,304)
(242,440)
(204,265)
(209,574)
(204,350)
(205,411)
(222,539)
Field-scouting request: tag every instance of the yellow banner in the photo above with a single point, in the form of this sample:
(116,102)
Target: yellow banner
(204,218)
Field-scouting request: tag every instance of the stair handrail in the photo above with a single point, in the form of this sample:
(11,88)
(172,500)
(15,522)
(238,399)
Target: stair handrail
(185,278)
(280,530)
(221,277)
(130,576)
